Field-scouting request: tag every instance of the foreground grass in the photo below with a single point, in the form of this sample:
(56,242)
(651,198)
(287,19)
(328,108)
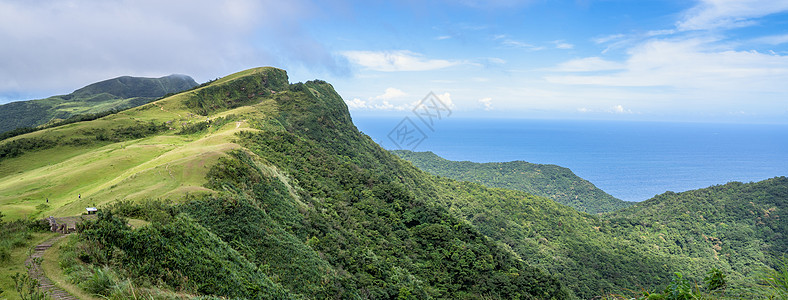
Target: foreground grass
(52,270)
(16,264)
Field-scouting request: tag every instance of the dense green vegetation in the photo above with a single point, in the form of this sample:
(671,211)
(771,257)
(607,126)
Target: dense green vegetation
(316,208)
(113,94)
(736,226)
(550,181)
(302,205)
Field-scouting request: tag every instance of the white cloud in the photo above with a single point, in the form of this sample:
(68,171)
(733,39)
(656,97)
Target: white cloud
(58,46)
(608,38)
(446,99)
(619,109)
(584,110)
(589,64)
(392,99)
(397,60)
(356,103)
(518,44)
(660,32)
(560,44)
(487,102)
(391,93)
(443,37)
(713,14)
(496,60)
(688,64)
(772,39)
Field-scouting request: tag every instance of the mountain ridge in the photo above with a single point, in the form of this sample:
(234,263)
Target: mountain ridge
(252,146)
(551,181)
(111,94)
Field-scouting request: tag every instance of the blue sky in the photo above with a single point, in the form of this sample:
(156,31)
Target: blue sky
(708,61)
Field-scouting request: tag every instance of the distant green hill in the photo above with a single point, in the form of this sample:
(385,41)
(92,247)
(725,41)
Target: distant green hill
(551,181)
(742,224)
(118,93)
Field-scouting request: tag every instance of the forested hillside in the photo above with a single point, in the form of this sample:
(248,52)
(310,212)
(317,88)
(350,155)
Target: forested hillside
(298,205)
(550,181)
(113,94)
(737,224)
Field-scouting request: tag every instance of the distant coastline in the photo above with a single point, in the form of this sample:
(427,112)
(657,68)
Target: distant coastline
(630,160)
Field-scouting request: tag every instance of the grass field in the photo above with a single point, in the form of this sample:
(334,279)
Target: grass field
(163,166)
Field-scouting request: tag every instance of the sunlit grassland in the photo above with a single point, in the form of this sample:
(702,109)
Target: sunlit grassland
(164,166)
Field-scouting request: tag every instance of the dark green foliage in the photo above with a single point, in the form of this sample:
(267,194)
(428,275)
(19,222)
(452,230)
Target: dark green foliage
(776,279)
(362,216)
(180,254)
(550,181)
(130,87)
(15,234)
(242,91)
(735,226)
(679,288)
(113,94)
(715,279)
(19,146)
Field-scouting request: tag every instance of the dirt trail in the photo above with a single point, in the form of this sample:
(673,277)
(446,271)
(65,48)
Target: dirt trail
(36,272)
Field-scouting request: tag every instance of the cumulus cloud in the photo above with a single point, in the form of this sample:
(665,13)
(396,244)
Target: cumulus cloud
(487,102)
(395,61)
(391,93)
(392,99)
(356,103)
(54,45)
(712,14)
(619,109)
(445,98)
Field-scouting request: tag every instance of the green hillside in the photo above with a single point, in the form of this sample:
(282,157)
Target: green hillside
(550,181)
(268,191)
(113,94)
(738,224)
(252,187)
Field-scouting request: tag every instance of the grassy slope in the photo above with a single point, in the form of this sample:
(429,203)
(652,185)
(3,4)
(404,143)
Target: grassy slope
(550,181)
(116,93)
(161,166)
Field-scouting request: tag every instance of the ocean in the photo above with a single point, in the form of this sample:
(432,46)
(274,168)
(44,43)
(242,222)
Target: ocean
(632,161)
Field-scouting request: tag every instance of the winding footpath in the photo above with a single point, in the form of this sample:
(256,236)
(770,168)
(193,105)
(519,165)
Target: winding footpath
(35,271)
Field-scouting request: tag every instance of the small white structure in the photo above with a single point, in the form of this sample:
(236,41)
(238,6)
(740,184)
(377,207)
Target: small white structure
(91,210)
